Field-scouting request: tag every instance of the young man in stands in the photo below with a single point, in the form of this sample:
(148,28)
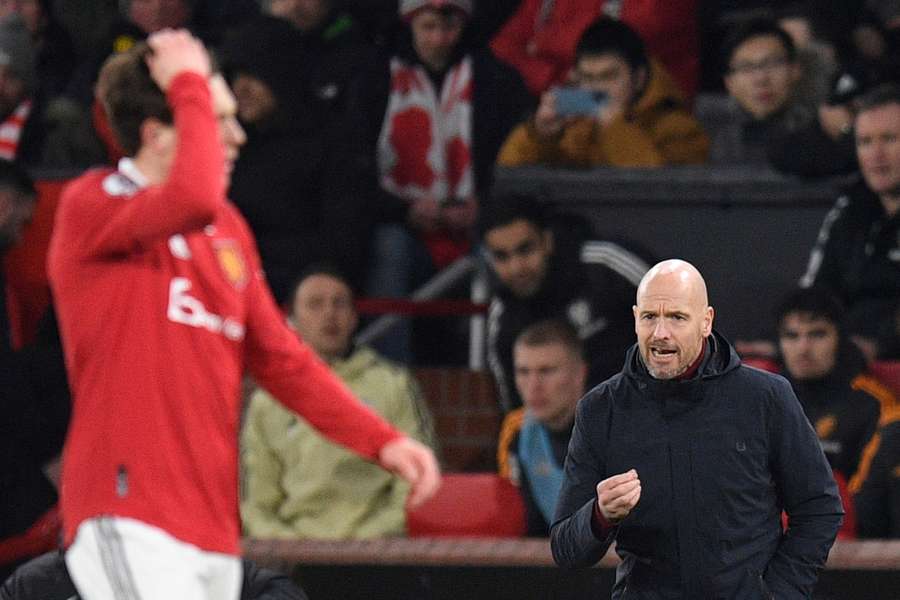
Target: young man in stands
(641,118)
(857,253)
(163,306)
(550,374)
(542,275)
(438,107)
(827,372)
(299,484)
(761,75)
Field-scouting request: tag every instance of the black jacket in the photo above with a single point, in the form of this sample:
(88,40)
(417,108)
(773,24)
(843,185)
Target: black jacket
(46,578)
(877,502)
(719,456)
(857,256)
(34,417)
(840,408)
(592,285)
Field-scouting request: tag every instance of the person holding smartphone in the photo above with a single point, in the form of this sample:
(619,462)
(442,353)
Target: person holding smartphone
(620,109)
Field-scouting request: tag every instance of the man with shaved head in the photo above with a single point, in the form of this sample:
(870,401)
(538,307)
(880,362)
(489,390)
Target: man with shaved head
(687,458)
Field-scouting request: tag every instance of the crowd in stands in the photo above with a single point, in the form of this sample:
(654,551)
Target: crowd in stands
(373,131)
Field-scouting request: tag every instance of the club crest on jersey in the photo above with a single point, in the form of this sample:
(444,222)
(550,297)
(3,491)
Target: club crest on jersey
(231,260)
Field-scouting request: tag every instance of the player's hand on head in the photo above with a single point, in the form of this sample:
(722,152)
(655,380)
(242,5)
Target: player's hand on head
(618,495)
(176,51)
(414,462)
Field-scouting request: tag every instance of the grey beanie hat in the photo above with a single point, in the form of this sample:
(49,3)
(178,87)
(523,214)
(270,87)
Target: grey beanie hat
(16,50)
(409,7)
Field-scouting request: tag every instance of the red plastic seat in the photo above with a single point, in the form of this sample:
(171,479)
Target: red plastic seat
(888,373)
(470,505)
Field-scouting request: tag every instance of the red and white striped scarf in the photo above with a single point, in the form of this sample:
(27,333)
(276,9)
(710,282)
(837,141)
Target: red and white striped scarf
(11,130)
(424,149)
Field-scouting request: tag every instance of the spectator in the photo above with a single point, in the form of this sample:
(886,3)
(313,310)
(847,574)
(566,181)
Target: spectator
(539,40)
(640,119)
(876,487)
(686,446)
(542,275)
(22,133)
(46,578)
(336,52)
(299,181)
(761,78)
(857,253)
(54,51)
(136,20)
(827,372)
(829,147)
(34,406)
(550,377)
(440,109)
(297,483)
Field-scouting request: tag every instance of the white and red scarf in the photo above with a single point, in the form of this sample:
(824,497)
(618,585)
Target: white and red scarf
(425,145)
(11,130)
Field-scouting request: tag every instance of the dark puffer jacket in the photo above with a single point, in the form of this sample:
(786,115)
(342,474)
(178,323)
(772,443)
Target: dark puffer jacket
(719,456)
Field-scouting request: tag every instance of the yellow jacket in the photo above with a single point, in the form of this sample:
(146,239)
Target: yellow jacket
(658,130)
(298,484)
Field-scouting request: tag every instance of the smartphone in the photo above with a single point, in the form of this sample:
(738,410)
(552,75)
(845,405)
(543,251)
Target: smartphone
(578,102)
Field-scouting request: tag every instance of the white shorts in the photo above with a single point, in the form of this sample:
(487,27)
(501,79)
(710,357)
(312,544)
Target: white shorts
(115,558)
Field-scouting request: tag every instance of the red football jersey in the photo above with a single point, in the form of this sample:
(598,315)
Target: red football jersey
(162,307)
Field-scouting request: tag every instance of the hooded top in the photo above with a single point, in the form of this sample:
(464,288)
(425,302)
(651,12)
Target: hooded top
(717,456)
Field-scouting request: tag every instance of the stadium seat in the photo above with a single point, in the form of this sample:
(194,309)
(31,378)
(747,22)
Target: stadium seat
(888,373)
(766,364)
(470,505)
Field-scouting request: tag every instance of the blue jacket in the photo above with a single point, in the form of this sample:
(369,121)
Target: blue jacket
(719,457)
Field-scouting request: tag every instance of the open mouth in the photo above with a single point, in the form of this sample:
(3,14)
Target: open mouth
(662,353)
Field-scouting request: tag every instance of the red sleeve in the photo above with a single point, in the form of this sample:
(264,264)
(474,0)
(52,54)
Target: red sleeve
(599,525)
(510,42)
(291,371)
(188,199)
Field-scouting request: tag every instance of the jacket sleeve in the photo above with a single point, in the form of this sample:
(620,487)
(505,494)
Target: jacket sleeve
(189,198)
(572,538)
(292,373)
(810,497)
(262,493)
(823,268)
(410,413)
(524,147)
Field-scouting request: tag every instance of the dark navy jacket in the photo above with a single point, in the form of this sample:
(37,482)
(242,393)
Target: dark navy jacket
(719,456)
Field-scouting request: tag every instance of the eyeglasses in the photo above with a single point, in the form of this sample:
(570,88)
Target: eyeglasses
(766,65)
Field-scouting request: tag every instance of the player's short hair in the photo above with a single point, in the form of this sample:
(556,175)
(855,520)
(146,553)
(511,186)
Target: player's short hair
(878,96)
(552,331)
(130,96)
(611,36)
(814,303)
(754,28)
(506,209)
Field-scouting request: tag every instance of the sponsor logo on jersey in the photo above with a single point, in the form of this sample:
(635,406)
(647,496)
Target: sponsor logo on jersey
(188,310)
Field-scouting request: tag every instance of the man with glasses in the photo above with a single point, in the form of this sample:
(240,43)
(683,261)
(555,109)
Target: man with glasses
(761,75)
(632,115)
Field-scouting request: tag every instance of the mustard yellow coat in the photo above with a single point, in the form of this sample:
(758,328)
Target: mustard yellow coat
(658,130)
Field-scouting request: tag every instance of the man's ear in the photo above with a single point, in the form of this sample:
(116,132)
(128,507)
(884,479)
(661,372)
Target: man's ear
(151,131)
(641,80)
(708,321)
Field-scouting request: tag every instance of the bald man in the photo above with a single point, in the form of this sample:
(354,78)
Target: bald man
(686,459)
